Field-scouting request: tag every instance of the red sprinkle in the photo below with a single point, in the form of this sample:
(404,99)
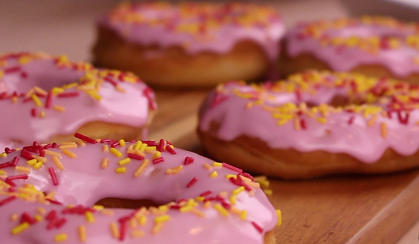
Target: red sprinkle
(27,218)
(51,214)
(158,160)
(204,194)
(257,227)
(60,223)
(123,230)
(147,92)
(48,100)
(17,177)
(15,161)
(114,83)
(135,156)
(7,200)
(5,165)
(303,124)
(188,160)
(160,146)
(170,150)
(192,182)
(52,222)
(150,143)
(85,138)
(33,112)
(53,176)
(351,120)
(12,69)
(231,167)
(26,155)
(402,120)
(68,94)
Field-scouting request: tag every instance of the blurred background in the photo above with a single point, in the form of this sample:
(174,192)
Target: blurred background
(67,27)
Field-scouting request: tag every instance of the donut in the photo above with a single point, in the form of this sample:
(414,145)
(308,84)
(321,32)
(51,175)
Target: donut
(189,44)
(314,124)
(196,199)
(370,45)
(47,98)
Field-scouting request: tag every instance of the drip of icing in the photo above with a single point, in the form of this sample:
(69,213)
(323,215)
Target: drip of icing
(46,74)
(197,27)
(356,130)
(84,182)
(355,42)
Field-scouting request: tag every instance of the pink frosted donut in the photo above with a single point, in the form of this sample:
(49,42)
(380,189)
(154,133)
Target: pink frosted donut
(374,46)
(313,124)
(47,99)
(51,198)
(189,44)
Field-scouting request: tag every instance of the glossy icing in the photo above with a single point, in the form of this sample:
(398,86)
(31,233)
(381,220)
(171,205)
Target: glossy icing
(84,181)
(277,113)
(197,27)
(120,102)
(344,44)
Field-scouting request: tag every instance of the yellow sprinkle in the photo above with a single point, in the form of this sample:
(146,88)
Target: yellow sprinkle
(68,146)
(14,99)
(264,183)
(138,145)
(198,213)
(162,219)
(207,166)
(23,169)
(231,176)
(164,208)
(69,153)
(60,237)
(214,174)
(238,190)
(36,100)
(122,143)
(98,207)
(142,147)
(133,223)
(157,155)
(107,212)
(48,152)
(39,158)
(3,155)
(42,114)
(371,122)
(141,168)
(14,217)
(233,199)
(3,173)
(38,165)
(18,229)
(115,152)
(120,89)
(217,165)
(142,220)
(4,184)
(89,217)
(82,233)
(322,120)
(58,108)
(185,209)
(38,218)
(124,161)
(40,90)
(104,163)
(384,130)
(57,163)
(221,210)
(243,215)
(41,210)
(31,162)
(121,170)
(156,228)
(137,233)
(279,214)
(268,191)
(114,230)
(105,148)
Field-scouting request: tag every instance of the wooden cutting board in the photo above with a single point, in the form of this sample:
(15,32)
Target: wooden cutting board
(345,209)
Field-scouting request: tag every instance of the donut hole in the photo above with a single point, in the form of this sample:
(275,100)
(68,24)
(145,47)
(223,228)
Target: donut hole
(43,74)
(111,202)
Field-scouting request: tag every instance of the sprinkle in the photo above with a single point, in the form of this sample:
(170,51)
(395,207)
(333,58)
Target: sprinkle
(18,229)
(228,166)
(268,191)
(161,219)
(384,130)
(36,100)
(371,122)
(122,143)
(135,156)
(138,145)
(213,174)
(121,170)
(141,168)
(68,146)
(279,214)
(207,166)
(48,152)
(69,153)
(217,165)
(85,138)
(40,159)
(60,237)
(23,169)
(192,182)
(53,176)
(221,210)
(188,160)
(89,217)
(114,230)
(104,163)
(82,233)
(115,152)
(124,161)
(14,217)
(68,94)
(38,165)
(156,228)
(257,227)
(238,190)
(137,233)
(58,108)
(174,170)
(243,215)
(297,123)
(48,100)
(58,163)
(142,220)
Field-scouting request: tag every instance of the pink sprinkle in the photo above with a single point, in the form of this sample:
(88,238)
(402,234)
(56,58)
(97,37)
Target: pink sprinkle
(231,167)
(188,160)
(192,182)
(53,176)
(257,227)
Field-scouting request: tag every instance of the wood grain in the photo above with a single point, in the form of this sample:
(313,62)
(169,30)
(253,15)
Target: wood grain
(345,209)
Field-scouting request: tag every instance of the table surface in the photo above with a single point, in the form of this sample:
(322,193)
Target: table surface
(66,27)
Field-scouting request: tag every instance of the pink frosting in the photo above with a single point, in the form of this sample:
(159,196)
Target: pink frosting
(84,182)
(128,108)
(401,61)
(158,26)
(343,132)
